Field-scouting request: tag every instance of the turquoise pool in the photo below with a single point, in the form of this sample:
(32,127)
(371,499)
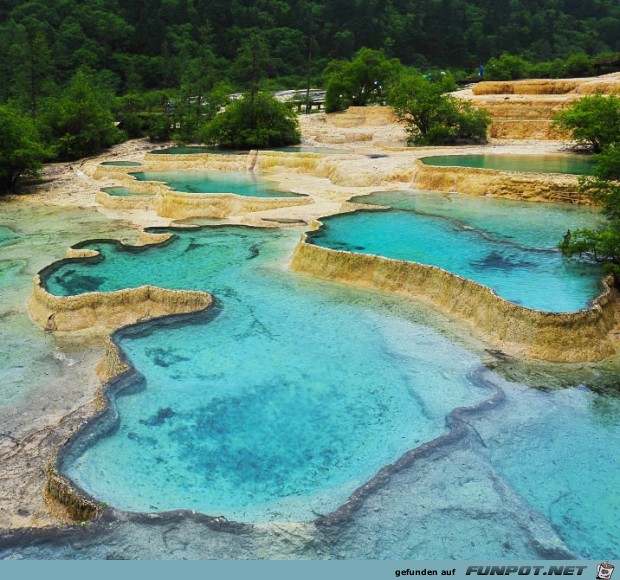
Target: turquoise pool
(515,257)
(573,164)
(291,392)
(122,163)
(237,182)
(265,409)
(195,150)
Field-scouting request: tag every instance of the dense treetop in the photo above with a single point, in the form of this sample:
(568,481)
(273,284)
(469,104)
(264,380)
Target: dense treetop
(151,44)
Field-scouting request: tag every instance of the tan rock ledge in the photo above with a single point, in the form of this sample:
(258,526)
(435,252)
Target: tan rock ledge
(179,205)
(563,337)
(106,311)
(545,187)
(169,203)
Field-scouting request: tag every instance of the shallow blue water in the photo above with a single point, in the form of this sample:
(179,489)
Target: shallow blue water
(559,450)
(520,265)
(296,390)
(574,164)
(296,393)
(530,224)
(237,182)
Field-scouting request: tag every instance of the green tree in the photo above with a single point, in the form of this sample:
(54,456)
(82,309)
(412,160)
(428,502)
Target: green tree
(80,121)
(602,245)
(507,67)
(257,122)
(32,80)
(362,81)
(21,150)
(436,118)
(594,121)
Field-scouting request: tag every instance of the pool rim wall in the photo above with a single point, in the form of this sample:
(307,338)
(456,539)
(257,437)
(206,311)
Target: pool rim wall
(579,336)
(115,371)
(170,203)
(517,185)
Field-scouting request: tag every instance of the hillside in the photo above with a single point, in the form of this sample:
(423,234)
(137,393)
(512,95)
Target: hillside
(151,44)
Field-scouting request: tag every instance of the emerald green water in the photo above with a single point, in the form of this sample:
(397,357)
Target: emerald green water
(6,235)
(474,238)
(122,163)
(195,150)
(302,149)
(122,192)
(573,164)
(237,182)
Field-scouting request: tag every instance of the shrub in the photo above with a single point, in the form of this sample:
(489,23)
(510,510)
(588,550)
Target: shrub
(361,81)
(435,118)
(507,68)
(80,121)
(21,150)
(254,121)
(594,121)
(602,245)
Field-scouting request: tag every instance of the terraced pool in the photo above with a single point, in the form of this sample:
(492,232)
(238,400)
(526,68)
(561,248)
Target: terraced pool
(291,392)
(266,409)
(573,164)
(205,182)
(507,246)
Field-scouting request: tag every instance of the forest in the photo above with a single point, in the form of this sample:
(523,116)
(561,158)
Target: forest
(138,45)
(81,75)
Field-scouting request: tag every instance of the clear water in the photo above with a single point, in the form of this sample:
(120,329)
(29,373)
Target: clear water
(520,265)
(302,149)
(122,192)
(529,224)
(122,163)
(558,450)
(195,150)
(6,235)
(555,448)
(31,236)
(573,164)
(268,411)
(239,183)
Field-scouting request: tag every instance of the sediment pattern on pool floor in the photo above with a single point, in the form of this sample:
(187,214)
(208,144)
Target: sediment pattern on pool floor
(568,337)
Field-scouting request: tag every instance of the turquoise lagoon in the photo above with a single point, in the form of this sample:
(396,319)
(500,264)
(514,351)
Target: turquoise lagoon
(507,246)
(292,391)
(237,182)
(266,409)
(573,164)
(6,235)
